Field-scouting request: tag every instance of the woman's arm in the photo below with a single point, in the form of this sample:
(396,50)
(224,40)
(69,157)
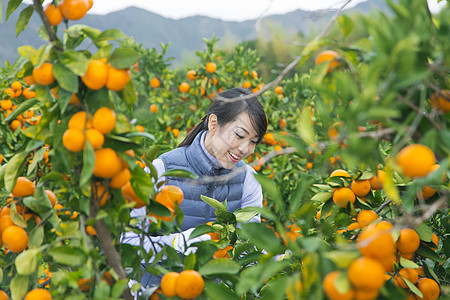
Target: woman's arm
(252,193)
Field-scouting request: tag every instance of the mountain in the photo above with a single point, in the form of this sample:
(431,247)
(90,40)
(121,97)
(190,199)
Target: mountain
(184,35)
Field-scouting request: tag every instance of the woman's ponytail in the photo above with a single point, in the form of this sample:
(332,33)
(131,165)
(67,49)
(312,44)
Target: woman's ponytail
(203,125)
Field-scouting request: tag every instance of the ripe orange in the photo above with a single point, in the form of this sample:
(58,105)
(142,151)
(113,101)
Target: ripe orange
(416,160)
(429,288)
(376,241)
(51,197)
(360,187)
(388,262)
(140,128)
(24,187)
(74,9)
(3,295)
(5,222)
(409,274)
(255,74)
(99,193)
(16,85)
(376,182)
(73,140)
(427,191)
(15,124)
(28,94)
(223,253)
(342,196)
(54,14)
(107,163)
(153,108)
(211,67)
(104,120)
(279,90)
(191,74)
(5,211)
(309,165)
(339,172)
(435,240)
(78,121)
(329,287)
(120,179)
(28,79)
(366,294)
(43,75)
(168,284)
(15,238)
(184,87)
(328,56)
(90,230)
(96,74)
(95,138)
(246,84)
(440,102)
(365,217)
(129,195)
(189,284)
(38,294)
(176,132)
(84,284)
(155,83)
(366,273)
(117,79)
(408,241)
(174,192)
(6,104)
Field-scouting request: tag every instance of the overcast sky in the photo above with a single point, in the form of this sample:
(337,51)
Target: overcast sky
(230,10)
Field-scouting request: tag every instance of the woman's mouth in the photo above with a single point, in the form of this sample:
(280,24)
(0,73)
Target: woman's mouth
(234,157)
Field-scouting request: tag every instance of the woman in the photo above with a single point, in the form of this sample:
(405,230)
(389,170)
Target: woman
(227,134)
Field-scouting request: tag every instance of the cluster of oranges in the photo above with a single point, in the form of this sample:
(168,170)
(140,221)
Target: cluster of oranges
(16,94)
(223,249)
(187,284)
(169,196)
(69,9)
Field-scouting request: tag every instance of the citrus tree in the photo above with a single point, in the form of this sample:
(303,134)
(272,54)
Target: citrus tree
(353,167)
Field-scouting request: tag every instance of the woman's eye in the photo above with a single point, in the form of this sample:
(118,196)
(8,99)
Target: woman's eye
(256,143)
(239,136)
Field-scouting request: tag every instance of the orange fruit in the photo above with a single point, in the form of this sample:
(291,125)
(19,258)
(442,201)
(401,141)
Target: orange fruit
(376,240)
(408,241)
(28,94)
(6,104)
(435,240)
(140,128)
(155,83)
(95,138)
(211,67)
(409,274)
(107,277)
(441,102)
(107,163)
(100,194)
(309,165)
(360,187)
(330,56)
(3,295)
(282,122)
(388,262)
(120,179)
(84,284)
(53,14)
(426,192)
(376,182)
(74,9)
(189,284)
(184,87)
(339,172)
(246,84)
(5,222)
(91,3)
(329,287)
(153,108)
(5,211)
(43,75)
(255,74)
(366,294)
(175,132)
(28,79)
(117,79)
(78,121)
(279,90)
(104,120)
(270,139)
(174,192)
(90,230)
(96,74)
(406,255)
(16,85)
(51,197)
(365,217)
(191,74)
(416,160)
(15,124)
(129,195)
(15,238)
(38,294)
(168,284)
(24,187)
(429,288)
(74,139)
(223,253)
(366,273)
(342,196)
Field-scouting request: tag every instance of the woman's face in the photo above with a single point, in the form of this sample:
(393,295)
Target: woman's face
(232,142)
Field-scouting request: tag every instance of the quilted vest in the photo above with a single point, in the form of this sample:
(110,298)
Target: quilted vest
(192,158)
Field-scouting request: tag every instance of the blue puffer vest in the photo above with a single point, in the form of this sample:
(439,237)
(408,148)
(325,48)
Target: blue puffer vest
(192,158)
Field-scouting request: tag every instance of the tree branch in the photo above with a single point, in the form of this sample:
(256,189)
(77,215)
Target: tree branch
(48,27)
(418,110)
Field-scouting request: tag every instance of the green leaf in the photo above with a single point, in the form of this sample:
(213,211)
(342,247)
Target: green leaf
(151,153)
(66,255)
(65,78)
(12,6)
(24,18)
(110,34)
(129,93)
(424,231)
(219,292)
(406,263)
(179,173)
(13,169)
(219,266)
(24,106)
(142,184)
(123,58)
(342,259)
(142,134)
(412,287)
(200,230)
(64,99)
(214,203)
(262,237)
(26,262)
(36,236)
(75,61)
(345,24)
(427,252)
(322,196)
(118,288)
(88,164)
(19,286)
(270,187)
(245,214)
(39,203)
(305,127)
(159,209)
(189,261)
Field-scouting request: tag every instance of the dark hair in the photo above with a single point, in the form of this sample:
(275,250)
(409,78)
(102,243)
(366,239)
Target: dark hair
(227,111)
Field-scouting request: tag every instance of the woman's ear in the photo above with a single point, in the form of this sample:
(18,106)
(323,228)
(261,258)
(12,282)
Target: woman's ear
(212,123)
